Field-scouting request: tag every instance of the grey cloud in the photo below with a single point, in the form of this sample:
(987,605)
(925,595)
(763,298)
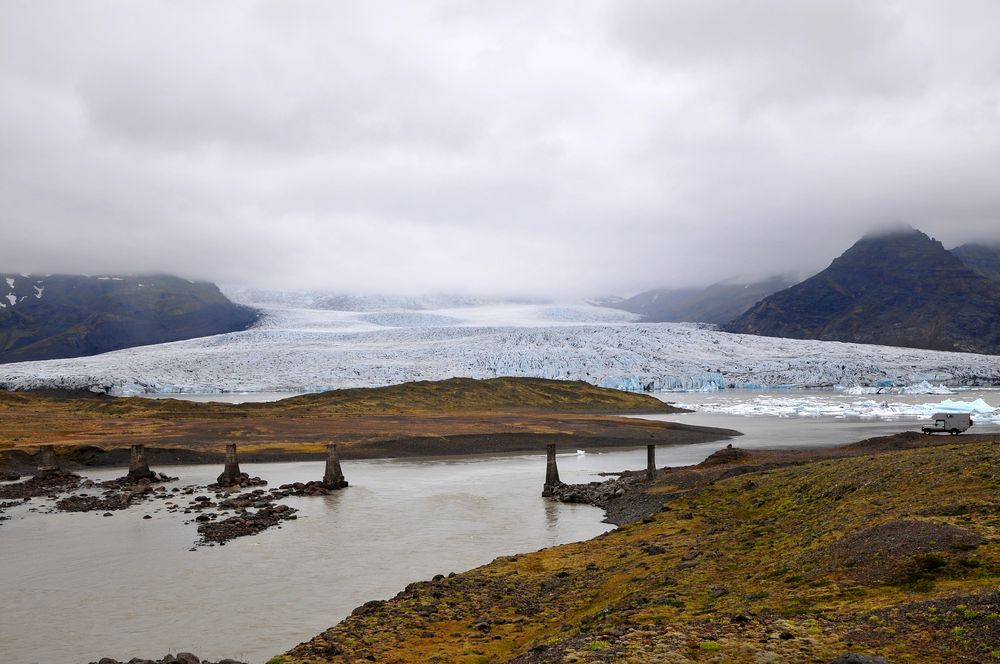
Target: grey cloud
(567,148)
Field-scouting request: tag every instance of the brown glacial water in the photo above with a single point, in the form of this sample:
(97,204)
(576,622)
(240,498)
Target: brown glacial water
(76,587)
(79,586)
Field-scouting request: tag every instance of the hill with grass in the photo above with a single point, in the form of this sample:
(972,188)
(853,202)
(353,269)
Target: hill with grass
(456,416)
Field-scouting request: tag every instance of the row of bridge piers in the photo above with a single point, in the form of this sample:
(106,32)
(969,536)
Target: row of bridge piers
(333,475)
(552,481)
(138,466)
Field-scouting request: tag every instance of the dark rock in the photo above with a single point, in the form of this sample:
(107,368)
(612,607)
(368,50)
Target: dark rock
(726,455)
(367,607)
(854,658)
(51,484)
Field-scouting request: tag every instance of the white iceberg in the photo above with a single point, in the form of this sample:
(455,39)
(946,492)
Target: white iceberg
(923,387)
(831,406)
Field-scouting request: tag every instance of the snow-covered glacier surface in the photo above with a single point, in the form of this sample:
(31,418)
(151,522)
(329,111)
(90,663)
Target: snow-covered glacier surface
(297,348)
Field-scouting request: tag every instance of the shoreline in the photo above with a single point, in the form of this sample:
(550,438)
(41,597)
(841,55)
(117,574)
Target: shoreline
(457,416)
(638,508)
(666,531)
(89,456)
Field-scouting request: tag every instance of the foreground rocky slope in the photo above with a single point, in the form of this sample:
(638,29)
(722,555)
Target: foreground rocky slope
(897,289)
(885,548)
(58,316)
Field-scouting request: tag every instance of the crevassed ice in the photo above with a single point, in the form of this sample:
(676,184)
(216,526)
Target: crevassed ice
(299,350)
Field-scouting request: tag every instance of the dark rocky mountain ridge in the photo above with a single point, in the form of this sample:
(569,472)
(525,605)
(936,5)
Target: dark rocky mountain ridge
(719,303)
(983,258)
(899,289)
(57,316)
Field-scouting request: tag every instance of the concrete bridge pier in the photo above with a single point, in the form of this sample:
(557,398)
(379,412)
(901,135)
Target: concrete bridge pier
(138,469)
(333,478)
(551,471)
(650,462)
(46,461)
(231,474)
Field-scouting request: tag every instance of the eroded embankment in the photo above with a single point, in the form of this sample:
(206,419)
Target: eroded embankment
(890,546)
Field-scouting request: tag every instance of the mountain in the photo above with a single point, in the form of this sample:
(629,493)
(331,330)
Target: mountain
(718,303)
(899,289)
(983,258)
(57,316)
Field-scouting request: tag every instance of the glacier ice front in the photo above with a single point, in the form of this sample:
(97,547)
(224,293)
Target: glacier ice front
(302,349)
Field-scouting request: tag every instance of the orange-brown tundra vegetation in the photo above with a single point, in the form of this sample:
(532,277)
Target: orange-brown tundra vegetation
(457,416)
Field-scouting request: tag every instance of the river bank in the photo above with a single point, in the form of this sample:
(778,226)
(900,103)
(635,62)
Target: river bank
(888,547)
(129,586)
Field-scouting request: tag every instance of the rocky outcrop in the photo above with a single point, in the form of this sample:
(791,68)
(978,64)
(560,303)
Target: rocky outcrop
(179,658)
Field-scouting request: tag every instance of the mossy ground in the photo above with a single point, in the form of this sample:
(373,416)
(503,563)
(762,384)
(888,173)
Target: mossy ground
(457,416)
(766,566)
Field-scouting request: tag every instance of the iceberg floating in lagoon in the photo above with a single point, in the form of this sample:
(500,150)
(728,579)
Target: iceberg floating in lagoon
(923,387)
(831,406)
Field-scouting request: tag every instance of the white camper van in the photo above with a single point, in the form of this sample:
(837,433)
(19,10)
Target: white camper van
(953,423)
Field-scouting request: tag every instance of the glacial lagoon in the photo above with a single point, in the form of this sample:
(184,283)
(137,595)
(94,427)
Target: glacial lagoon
(77,587)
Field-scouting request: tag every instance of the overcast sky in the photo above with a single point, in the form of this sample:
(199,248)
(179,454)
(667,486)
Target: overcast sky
(545,148)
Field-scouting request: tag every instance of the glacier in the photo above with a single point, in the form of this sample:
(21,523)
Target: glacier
(297,347)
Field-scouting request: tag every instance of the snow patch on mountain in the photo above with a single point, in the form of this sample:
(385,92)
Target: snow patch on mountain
(310,349)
